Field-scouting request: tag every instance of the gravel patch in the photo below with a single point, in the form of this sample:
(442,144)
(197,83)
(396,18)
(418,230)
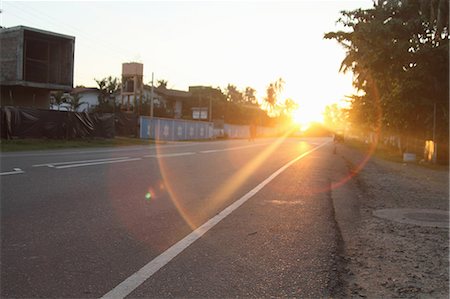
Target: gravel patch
(385,258)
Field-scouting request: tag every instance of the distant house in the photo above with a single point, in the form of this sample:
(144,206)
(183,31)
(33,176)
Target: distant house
(173,99)
(34,62)
(88,96)
(166,102)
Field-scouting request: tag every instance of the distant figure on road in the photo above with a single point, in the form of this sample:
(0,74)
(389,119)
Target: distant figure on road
(337,139)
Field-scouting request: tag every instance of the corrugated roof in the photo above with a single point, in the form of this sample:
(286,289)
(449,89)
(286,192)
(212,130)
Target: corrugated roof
(83,89)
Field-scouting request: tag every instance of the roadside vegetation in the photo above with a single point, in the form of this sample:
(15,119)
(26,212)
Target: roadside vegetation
(47,144)
(398,53)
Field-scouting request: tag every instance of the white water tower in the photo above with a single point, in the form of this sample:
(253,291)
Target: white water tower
(132,85)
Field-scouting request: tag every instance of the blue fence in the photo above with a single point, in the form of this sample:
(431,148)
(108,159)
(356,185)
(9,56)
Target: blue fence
(177,129)
(236,131)
(243,131)
(174,129)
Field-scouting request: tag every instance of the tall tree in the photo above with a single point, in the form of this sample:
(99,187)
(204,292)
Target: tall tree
(398,53)
(273,92)
(233,94)
(107,87)
(249,96)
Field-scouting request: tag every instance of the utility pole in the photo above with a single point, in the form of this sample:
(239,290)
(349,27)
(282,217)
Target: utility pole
(210,109)
(151,97)
(434,135)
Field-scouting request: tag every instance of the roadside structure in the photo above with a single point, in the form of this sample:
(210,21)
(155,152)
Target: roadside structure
(88,97)
(34,62)
(132,86)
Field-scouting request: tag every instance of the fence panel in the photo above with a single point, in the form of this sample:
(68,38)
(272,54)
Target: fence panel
(174,129)
(236,131)
(20,122)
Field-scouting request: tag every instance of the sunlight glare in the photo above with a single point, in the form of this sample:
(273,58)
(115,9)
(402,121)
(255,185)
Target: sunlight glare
(304,116)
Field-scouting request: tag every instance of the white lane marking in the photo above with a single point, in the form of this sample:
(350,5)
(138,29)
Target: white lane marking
(96,163)
(169,155)
(131,283)
(151,146)
(231,148)
(16,171)
(50,164)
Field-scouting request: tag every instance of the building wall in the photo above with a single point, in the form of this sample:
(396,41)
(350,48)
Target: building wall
(32,63)
(91,99)
(11,44)
(24,97)
(178,109)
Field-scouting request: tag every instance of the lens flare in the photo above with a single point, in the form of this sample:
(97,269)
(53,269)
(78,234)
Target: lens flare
(148,196)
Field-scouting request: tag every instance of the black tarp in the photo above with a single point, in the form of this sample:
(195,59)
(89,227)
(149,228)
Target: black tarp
(19,122)
(126,124)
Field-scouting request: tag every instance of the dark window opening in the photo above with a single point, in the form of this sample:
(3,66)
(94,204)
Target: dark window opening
(47,59)
(129,85)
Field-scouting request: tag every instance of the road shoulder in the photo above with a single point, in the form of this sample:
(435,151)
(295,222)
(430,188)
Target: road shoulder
(384,258)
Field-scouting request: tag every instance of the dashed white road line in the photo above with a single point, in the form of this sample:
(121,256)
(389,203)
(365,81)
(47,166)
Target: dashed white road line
(231,148)
(50,164)
(170,155)
(96,163)
(139,277)
(15,171)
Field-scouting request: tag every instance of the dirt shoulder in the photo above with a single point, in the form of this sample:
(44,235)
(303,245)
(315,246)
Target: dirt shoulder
(383,258)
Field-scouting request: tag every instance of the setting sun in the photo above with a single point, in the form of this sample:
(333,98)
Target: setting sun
(305,115)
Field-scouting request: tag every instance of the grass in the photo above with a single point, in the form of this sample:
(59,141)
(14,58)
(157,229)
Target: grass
(389,154)
(46,144)
(382,152)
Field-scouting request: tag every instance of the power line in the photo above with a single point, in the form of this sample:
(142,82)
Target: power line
(113,49)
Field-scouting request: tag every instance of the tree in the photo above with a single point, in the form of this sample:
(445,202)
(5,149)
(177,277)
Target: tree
(273,92)
(289,105)
(398,53)
(335,117)
(233,94)
(58,98)
(162,84)
(74,101)
(249,96)
(107,87)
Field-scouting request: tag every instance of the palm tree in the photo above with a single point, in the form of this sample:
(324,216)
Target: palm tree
(58,98)
(74,101)
(162,84)
(273,92)
(107,87)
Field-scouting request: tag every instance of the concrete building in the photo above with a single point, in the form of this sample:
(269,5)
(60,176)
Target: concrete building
(34,62)
(132,86)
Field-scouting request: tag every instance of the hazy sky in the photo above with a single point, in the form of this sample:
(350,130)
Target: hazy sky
(202,43)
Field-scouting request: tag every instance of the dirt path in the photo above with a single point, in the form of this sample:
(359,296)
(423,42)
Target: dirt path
(384,258)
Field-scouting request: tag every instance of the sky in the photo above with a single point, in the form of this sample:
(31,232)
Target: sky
(209,43)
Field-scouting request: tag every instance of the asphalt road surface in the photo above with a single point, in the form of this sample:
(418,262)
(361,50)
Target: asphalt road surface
(201,219)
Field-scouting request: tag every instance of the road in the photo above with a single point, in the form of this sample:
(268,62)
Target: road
(130,221)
